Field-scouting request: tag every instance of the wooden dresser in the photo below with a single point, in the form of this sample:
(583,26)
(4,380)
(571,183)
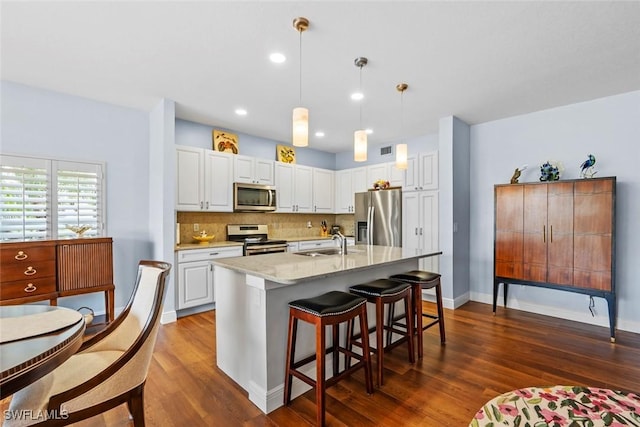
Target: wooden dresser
(558,235)
(47,269)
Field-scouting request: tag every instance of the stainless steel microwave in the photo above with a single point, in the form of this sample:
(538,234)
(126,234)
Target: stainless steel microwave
(253,197)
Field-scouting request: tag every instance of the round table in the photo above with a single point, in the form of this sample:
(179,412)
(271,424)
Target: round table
(45,337)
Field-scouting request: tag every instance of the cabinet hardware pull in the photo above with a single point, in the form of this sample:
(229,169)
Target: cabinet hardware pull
(421,231)
(30,271)
(416,231)
(207,205)
(214,253)
(551,232)
(544,234)
(201,205)
(30,288)
(21,255)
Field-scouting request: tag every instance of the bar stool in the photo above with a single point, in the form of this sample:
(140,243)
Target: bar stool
(381,292)
(419,280)
(329,309)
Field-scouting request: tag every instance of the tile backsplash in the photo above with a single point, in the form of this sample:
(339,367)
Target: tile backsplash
(281,225)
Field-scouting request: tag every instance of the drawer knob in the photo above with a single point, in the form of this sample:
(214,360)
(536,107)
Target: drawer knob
(30,271)
(30,288)
(21,255)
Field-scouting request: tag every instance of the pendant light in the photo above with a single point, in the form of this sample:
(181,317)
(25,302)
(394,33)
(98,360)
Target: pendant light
(300,135)
(360,136)
(401,149)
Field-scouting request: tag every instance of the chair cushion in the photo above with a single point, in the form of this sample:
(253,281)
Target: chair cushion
(380,287)
(329,304)
(418,276)
(77,369)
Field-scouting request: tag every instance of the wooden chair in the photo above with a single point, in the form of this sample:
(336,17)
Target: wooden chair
(109,369)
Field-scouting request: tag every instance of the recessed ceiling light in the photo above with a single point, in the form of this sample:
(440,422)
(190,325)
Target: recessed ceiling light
(241,111)
(369,131)
(277,58)
(357,96)
(319,134)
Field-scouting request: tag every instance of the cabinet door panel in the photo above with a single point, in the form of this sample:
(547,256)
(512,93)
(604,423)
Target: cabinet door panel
(535,233)
(508,233)
(593,240)
(560,234)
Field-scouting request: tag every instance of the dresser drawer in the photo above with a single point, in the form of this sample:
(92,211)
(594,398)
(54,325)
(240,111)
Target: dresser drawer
(27,288)
(10,272)
(26,253)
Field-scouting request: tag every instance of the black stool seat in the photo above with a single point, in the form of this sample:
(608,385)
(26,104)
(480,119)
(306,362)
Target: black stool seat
(330,309)
(330,304)
(426,278)
(383,292)
(418,280)
(380,287)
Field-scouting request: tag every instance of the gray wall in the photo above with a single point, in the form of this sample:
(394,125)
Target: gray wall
(49,124)
(607,127)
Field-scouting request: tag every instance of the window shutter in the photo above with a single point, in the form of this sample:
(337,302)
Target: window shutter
(40,198)
(79,198)
(24,203)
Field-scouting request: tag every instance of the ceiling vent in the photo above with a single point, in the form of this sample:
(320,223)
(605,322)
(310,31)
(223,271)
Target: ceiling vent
(385,150)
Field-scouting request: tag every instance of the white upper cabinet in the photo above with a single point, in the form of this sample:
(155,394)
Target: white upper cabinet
(190,179)
(303,188)
(252,170)
(377,172)
(218,181)
(386,172)
(422,172)
(204,180)
(349,182)
(294,187)
(323,191)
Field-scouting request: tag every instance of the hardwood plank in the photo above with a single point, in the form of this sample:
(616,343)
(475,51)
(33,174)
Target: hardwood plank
(484,356)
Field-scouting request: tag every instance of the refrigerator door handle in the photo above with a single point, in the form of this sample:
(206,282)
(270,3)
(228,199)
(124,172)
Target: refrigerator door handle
(370,225)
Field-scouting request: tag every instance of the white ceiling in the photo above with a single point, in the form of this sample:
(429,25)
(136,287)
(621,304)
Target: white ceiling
(479,61)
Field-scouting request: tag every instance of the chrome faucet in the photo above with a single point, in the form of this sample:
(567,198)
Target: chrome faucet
(343,242)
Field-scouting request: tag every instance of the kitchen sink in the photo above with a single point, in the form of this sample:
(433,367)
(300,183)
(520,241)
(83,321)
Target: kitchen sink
(327,251)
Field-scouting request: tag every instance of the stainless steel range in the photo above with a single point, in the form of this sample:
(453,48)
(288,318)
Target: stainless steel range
(256,239)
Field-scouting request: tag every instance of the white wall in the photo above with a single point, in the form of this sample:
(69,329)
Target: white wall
(607,127)
(50,124)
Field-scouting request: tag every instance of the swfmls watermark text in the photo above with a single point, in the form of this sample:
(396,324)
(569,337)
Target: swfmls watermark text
(35,415)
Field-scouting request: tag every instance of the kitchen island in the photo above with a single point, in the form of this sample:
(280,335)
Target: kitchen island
(252,296)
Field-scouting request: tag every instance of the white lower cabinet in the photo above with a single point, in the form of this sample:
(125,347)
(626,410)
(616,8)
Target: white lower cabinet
(195,274)
(316,244)
(292,247)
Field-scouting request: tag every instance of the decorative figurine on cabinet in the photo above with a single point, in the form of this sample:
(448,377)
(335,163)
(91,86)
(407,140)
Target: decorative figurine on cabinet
(517,173)
(550,171)
(586,168)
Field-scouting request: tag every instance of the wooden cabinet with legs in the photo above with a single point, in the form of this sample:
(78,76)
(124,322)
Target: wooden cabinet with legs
(48,269)
(557,235)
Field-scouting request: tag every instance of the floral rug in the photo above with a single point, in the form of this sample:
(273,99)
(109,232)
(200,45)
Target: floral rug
(560,406)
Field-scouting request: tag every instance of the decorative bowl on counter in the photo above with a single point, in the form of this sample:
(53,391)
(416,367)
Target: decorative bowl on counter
(204,239)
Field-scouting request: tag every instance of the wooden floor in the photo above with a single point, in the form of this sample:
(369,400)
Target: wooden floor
(484,356)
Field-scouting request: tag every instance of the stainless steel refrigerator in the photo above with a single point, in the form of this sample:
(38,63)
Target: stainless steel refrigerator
(378,218)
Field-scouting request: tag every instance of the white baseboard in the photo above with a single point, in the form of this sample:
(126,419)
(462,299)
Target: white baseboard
(168,317)
(557,312)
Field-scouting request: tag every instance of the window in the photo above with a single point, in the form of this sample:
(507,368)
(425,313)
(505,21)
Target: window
(42,198)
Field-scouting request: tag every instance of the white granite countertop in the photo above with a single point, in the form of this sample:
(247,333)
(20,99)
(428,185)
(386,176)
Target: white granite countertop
(291,268)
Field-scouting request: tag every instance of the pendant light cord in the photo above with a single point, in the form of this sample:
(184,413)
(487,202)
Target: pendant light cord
(362,95)
(300,45)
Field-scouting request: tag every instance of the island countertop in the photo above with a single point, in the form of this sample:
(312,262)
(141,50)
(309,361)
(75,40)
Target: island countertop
(289,268)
